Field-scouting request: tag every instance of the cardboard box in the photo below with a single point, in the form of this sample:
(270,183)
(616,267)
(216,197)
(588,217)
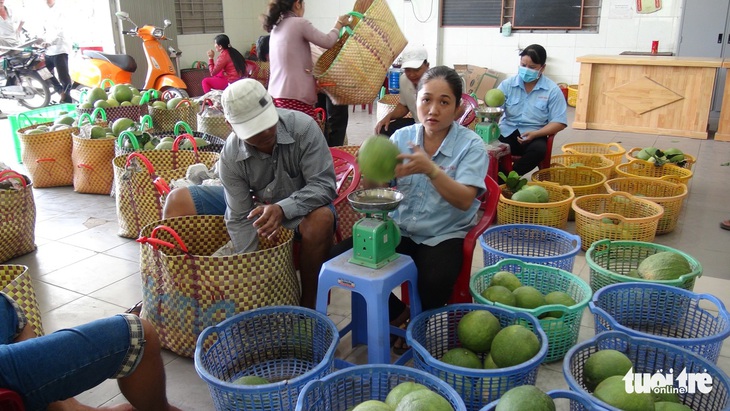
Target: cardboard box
(477,80)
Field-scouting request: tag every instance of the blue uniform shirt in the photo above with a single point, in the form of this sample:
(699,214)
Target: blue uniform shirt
(529,112)
(424,215)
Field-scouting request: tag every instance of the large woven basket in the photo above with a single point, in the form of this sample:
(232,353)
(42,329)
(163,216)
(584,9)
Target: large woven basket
(612,151)
(185,289)
(689,160)
(645,169)
(668,194)
(598,162)
(554,213)
(16,283)
(386,105)
(17,213)
(47,156)
(92,161)
(583,180)
(352,71)
(615,216)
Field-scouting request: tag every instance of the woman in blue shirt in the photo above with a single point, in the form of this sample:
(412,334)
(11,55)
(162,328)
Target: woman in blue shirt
(534,108)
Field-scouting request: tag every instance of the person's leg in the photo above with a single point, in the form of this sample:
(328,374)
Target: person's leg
(438,268)
(195,200)
(215,82)
(63,77)
(396,125)
(532,155)
(337,118)
(317,231)
(51,66)
(514,145)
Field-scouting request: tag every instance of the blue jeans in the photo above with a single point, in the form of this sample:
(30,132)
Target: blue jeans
(68,362)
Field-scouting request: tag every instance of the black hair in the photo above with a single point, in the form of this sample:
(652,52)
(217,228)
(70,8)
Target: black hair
(276,9)
(262,48)
(239,62)
(536,52)
(450,76)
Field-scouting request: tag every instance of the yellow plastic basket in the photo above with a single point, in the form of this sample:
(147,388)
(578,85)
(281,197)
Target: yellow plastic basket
(554,213)
(598,162)
(572,94)
(689,160)
(615,216)
(612,151)
(645,169)
(667,194)
(583,180)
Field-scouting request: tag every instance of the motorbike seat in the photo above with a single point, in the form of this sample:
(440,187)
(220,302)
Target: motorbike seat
(123,61)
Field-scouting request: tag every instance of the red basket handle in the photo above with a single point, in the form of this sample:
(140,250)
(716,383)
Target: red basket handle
(155,242)
(143,159)
(183,102)
(8,174)
(45,160)
(176,143)
(82,165)
(206,102)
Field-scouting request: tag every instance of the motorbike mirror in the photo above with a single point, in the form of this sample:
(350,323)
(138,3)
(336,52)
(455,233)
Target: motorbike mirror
(122,15)
(167,23)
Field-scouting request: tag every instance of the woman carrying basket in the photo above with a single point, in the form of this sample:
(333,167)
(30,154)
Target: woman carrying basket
(291,82)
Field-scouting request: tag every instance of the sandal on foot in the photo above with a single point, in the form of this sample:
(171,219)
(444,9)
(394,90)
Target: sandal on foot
(725,225)
(400,346)
(136,310)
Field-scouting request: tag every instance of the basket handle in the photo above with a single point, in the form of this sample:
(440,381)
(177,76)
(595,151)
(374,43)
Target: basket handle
(155,242)
(8,174)
(200,64)
(617,146)
(45,160)
(132,138)
(97,111)
(149,94)
(178,139)
(86,166)
(144,161)
(105,81)
(27,120)
(82,96)
(319,113)
(207,102)
(182,124)
(184,103)
(145,122)
(84,116)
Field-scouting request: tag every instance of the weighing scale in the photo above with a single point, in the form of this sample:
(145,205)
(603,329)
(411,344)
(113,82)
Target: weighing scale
(488,127)
(375,236)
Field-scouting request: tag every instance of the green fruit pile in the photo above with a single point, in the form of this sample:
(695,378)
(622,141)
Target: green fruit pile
(506,288)
(659,157)
(119,95)
(531,194)
(407,396)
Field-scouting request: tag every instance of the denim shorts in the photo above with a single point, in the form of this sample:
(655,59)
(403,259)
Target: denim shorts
(70,361)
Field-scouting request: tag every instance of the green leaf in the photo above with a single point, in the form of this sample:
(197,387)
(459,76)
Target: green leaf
(502,177)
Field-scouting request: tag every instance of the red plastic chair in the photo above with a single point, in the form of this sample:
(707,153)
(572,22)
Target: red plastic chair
(10,401)
(470,105)
(507,161)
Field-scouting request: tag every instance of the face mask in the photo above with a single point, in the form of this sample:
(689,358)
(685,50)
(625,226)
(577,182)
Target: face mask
(527,75)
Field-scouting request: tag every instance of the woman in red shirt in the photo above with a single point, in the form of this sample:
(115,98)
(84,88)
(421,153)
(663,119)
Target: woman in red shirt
(227,68)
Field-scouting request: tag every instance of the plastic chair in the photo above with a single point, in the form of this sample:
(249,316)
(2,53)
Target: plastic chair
(348,179)
(470,105)
(507,161)
(10,401)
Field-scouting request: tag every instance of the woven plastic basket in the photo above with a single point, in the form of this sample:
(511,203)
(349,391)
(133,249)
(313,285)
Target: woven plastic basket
(288,346)
(615,216)
(696,322)
(612,151)
(577,402)
(689,160)
(652,357)
(611,261)
(554,213)
(386,105)
(432,333)
(572,95)
(562,333)
(668,194)
(530,243)
(583,180)
(16,282)
(645,169)
(344,389)
(598,162)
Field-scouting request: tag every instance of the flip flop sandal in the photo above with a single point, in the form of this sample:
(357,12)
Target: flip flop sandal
(136,310)
(725,225)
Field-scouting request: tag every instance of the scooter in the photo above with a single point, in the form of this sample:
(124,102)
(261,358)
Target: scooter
(24,76)
(95,67)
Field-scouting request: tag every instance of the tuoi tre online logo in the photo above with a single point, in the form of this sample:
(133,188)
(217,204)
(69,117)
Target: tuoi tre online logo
(666,383)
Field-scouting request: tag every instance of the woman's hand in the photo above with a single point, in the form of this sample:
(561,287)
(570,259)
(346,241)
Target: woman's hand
(211,54)
(418,163)
(343,20)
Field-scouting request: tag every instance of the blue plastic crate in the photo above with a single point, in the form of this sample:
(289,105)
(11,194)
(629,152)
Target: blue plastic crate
(432,333)
(665,313)
(534,244)
(577,402)
(289,346)
(650,356)
(344,389)
(37,116)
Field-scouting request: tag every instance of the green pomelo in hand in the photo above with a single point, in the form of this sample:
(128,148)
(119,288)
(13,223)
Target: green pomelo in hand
(401,390)
(603,364)
(528,297)
(251,380)
(494,98)
(670,406)
(612,391)
(514,345)
(665,265)
(559,297)
(373,405)
(499,294)
(505,279)
(424,400)
(477,329)
(525,398)
(377,159)
(462,357)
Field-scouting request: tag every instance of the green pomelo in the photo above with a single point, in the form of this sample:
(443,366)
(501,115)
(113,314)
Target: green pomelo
(136,99)
(97,132)
(424,400)
(86,105)
(96,94)
(525,398)
(477,329)
(603,364)
(461,357)
(251,380)
(160,105)
(377,159)
(559,297)
(505,279)
(539,191)
(514,345)
(165,145)
(528,297)
(494,98)
(68,120)
(525,196)
(173,102)
(34,131)
(373,405)
(633,273)
(112,102)
(499,294)
(401,390)
(665,265)
(122,92)
(126,103)
(201,142)
(101,104)
(667,396)
(670,406)
(489,363)
(612,391)
(574,165)
(121,124)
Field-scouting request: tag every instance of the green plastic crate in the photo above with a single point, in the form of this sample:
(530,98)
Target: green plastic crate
(39,115)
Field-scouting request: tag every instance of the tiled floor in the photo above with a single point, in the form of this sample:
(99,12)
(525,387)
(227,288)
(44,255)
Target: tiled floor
(82,270)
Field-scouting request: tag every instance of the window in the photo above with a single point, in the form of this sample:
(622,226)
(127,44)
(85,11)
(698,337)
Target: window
(494,13)
(199,16)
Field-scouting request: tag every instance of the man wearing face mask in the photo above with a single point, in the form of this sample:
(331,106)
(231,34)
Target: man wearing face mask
(534,108)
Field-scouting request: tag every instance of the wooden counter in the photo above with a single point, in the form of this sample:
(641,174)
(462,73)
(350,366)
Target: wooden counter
(723,128)
(646,94)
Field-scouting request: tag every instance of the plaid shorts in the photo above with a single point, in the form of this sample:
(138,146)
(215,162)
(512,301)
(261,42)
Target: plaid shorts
(136,346)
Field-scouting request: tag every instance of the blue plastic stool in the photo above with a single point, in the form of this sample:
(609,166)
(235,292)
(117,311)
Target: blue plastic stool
(371,288)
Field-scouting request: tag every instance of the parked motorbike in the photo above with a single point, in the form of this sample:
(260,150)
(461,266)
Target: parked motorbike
(95,67)
(24,76)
